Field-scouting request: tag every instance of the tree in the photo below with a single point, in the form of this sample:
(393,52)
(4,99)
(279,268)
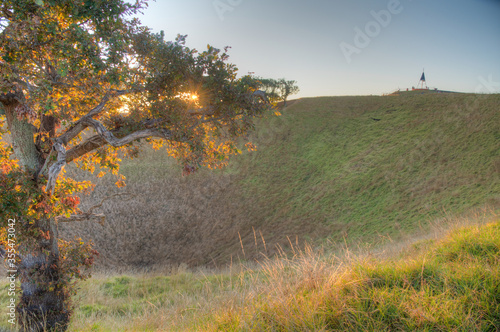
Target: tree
(83,82)
(287,88)
(278,90)
(271,88)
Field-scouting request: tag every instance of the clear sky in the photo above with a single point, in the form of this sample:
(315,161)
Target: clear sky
(346,47)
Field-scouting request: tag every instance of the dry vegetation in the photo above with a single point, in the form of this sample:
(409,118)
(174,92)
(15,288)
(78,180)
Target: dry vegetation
(447,280)
(325,171)
(387,176)
(166,220)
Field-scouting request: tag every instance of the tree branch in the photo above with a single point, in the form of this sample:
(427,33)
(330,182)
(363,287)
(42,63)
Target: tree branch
(81,124)
(72,132)
(100,218)
(104,137)
(85,147)
(262,95)
(55,169)
(117,142)
(89,215)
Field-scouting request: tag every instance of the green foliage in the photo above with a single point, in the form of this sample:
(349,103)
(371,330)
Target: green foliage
(278,90)
(117,287)
(84,82)
(92,309)
(287,88)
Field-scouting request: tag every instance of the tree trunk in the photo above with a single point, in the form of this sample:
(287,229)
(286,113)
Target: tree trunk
(22,133)
(44,303)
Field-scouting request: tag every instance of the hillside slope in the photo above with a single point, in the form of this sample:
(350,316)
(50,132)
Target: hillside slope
(363,166)
(332,168)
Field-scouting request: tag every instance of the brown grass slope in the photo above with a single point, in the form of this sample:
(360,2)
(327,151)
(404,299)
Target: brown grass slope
(334,168)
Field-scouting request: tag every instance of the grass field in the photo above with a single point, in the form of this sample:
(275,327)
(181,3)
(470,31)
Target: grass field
(448,280)
(371,184)
(364,166)
(329,170)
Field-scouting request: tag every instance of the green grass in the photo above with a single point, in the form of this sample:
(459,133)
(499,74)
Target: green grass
(327,162)
(447,282)
(452,286)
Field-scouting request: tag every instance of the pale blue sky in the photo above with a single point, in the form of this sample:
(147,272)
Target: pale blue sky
(456,41)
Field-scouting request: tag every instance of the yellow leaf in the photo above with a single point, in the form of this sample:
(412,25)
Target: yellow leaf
(120,183)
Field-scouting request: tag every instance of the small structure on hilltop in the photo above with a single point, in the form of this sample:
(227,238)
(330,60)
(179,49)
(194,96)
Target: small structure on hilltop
(422,84)
(421,88)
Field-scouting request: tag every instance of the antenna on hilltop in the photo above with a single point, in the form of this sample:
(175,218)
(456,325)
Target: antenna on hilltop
(422,84)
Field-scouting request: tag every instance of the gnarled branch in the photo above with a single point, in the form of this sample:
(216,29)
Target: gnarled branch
(90,144)
(81,124)
(117,142)
(56,168)
(104,137)
(262,95)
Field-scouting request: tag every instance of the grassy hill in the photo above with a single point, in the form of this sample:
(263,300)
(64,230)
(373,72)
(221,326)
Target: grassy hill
(389,172)
(330,169)
(362,166)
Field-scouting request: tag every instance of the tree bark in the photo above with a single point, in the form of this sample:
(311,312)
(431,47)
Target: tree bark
(22,133)
(44,304)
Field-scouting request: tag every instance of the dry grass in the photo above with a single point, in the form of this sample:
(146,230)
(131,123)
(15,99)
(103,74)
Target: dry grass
(167,219)
(324,172)
(447,280)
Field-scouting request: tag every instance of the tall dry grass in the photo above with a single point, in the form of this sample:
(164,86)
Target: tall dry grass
(166,220)
(418,284)
(324,171)
(447,279)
